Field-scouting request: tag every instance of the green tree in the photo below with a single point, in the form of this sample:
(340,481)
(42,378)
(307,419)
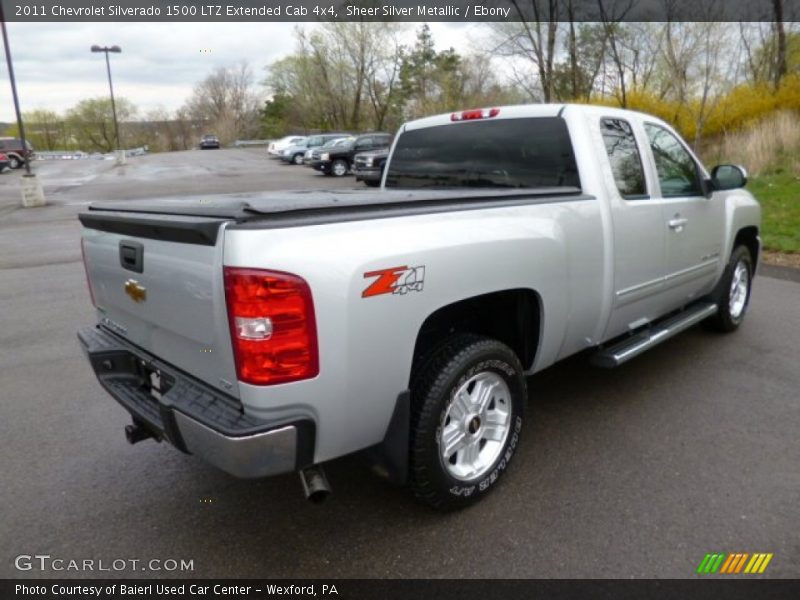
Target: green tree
(91,123)
(44,129)
(276,115)
(342,76)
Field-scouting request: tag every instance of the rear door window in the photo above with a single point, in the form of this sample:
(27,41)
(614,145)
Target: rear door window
(623,155)
(502,153)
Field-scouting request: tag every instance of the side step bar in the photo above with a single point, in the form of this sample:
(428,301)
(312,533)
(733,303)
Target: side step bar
(623,351)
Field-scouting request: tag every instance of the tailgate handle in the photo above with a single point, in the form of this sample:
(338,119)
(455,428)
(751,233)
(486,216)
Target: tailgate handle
(131,256)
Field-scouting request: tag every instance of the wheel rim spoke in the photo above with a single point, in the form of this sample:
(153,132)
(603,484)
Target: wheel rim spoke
(497,417)
(453,440)
(483,393)
(461,405)
(494,433)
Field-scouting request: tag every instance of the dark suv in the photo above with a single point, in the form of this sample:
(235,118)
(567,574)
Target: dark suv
(337,161)
(368,166)
(12,147)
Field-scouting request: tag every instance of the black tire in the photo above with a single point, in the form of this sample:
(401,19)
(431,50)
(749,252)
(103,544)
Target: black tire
(372,183)
(727,318)
(452,365)
(297,159)
(339,168)
(15,162)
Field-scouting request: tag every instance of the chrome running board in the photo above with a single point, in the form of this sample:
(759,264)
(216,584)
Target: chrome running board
(633,346)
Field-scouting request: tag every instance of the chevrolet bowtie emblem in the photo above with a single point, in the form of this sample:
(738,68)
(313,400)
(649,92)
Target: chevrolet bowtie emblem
(137,292)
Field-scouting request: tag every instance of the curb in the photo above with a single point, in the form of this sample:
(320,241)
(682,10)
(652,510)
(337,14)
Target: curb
(779,272)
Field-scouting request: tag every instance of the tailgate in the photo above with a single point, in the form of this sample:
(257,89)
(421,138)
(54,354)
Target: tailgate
(157,281)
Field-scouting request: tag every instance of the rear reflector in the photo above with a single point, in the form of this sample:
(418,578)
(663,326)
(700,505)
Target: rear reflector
(273,330)
(478,113)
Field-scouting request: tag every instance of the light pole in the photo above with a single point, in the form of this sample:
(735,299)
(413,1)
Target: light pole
(32,192)
(106,50)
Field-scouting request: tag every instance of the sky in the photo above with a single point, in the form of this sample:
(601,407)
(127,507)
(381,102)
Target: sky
(159,63)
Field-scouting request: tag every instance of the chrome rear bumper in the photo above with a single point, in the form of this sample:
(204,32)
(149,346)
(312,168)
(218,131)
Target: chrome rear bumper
(194,417)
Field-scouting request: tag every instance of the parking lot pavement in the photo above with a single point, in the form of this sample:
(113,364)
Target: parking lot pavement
(79,182)
(636,472)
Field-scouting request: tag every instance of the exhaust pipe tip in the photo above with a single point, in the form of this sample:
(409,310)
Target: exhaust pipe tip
(315,484)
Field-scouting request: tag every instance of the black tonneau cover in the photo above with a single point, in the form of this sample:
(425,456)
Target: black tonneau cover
(267,210)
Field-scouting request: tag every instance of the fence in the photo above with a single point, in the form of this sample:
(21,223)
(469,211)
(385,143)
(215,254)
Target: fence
(78,155)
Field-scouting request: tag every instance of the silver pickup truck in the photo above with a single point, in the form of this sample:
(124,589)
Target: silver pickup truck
(268,333)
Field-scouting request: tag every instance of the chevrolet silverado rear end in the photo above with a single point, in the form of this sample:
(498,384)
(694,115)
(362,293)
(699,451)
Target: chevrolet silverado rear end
(272,332)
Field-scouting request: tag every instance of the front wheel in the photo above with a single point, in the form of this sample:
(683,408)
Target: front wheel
(297,159)
(734,291)
(339,168)
(467,416)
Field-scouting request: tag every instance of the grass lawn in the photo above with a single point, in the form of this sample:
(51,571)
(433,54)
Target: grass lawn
(779,195)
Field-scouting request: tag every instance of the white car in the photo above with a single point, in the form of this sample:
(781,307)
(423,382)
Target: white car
(275,148)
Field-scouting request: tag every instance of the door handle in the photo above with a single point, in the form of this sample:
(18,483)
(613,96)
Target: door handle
(677,223)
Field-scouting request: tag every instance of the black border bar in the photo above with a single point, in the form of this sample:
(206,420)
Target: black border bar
(417,589)
(393,10)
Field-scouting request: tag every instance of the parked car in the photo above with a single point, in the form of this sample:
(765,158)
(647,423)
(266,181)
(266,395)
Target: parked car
(275,148)
(209,141)
(315,162)
(4,162)
(368,166)
(337,161)
(295,154)
(309,154)
(12,148)
(270,333)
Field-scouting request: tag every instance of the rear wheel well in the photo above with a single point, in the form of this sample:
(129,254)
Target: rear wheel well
(748,236)
(510,316)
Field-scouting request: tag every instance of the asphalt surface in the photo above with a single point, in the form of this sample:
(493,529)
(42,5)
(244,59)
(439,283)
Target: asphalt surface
(636,472)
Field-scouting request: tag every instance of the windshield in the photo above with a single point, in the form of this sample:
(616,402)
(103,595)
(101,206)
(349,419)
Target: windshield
(339,142)
(505,153)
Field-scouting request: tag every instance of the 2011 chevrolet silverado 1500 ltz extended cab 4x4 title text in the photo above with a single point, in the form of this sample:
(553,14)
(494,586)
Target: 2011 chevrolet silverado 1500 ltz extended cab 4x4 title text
(271,332)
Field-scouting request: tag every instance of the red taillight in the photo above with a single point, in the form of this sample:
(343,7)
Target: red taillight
(273,330)
(86,272)
(478,113)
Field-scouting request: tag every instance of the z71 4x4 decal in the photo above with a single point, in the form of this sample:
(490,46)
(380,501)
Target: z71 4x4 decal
(395,280)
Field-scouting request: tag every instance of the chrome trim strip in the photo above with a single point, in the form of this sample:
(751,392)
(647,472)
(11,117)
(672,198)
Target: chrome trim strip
(690,270)
(653,282)
(639,287)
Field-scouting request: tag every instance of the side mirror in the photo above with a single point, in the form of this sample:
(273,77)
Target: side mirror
(728,177)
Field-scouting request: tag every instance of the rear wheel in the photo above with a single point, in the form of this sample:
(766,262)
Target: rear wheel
(734,292)
(467,415)
(15,162)
(339,168)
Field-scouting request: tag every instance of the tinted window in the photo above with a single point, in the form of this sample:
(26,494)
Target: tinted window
(677,171)
(623,154)
(534,152)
